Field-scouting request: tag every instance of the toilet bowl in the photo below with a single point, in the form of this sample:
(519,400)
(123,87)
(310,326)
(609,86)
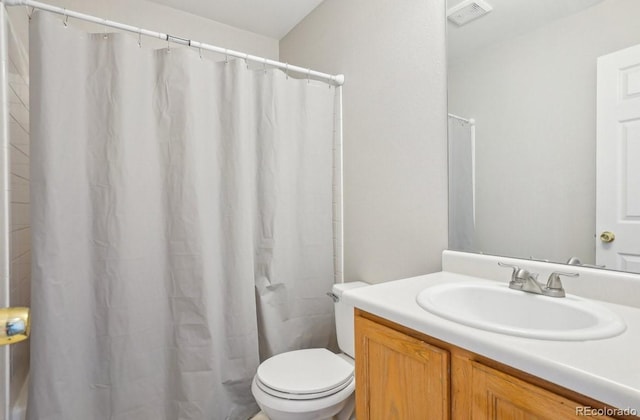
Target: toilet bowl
(312,384)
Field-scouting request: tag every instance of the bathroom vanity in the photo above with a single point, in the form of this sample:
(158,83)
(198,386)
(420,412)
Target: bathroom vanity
(413,375)
(413,364)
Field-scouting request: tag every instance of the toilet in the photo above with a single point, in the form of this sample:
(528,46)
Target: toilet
(312,384)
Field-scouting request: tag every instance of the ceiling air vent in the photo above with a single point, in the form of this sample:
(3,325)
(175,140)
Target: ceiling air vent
(467,11)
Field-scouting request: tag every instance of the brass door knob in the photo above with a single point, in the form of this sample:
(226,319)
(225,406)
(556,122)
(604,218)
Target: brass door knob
(14,325)
(607,236)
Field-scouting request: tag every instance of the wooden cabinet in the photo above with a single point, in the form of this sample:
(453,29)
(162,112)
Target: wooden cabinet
(398,376)
(405,375)
(496,395)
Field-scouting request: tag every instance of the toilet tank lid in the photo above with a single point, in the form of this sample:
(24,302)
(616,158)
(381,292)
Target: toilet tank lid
(340,288)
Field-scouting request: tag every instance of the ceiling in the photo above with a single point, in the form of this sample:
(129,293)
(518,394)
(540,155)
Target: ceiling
(271,18)
(275,18)
(509,18)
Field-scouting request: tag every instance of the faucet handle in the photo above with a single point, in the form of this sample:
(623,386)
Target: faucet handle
(554,284)
(519,275)
(514,267)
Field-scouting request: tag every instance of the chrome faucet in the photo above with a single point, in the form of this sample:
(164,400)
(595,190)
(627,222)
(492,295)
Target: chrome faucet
(576,261)
(522,279)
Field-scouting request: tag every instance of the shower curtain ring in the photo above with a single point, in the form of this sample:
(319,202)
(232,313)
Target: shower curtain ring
(139,38)
(168,44)
(286,70)
(308,76)
(226,56)
(105,35)
(200,52)
(30,11)
(246,60)
(66,19)
(264,66)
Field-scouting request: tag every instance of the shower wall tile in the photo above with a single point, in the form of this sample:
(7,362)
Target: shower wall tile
(20,190)
(20,242)
(20,170)
(20,114)
(19,90)
(20,207)
(20,215)
(18,135)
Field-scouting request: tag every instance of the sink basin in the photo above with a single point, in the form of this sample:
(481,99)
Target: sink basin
(495,307)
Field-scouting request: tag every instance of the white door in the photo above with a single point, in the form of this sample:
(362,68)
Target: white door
(618,161)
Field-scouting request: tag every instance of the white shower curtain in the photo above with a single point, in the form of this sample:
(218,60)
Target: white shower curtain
(182,209)
(461,140)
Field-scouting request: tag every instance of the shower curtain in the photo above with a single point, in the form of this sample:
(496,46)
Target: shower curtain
(461,140)
(182,219)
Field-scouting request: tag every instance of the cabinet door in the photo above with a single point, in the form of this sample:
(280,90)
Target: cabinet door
(497,395)
(398,376)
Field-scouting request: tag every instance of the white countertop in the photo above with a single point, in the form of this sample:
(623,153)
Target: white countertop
(607,370)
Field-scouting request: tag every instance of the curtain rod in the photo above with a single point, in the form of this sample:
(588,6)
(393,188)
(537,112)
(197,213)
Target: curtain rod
(337,79)
(468,121)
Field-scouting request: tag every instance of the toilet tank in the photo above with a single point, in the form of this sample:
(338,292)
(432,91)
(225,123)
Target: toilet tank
(345,318)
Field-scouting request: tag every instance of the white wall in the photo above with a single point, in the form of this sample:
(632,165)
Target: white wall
(534,101)
(395,169)
(152,16)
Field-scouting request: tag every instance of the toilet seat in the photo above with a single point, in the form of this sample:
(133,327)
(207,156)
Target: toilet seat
(302,397)
(304,374)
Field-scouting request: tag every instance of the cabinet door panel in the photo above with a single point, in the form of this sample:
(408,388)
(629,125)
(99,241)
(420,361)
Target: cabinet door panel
(497,395)
(398,376)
